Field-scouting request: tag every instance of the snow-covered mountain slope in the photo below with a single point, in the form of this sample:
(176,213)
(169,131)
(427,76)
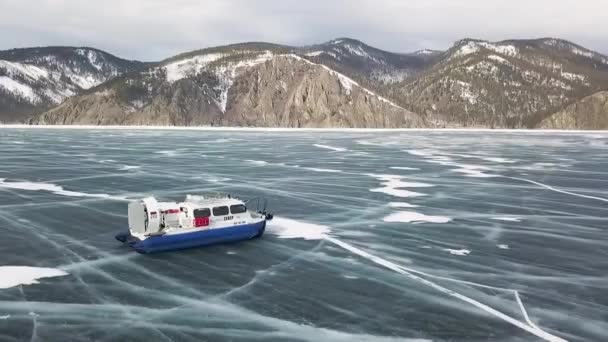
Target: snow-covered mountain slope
(368,64)
(37,78)
(344,82)
(513,83)
(249,84)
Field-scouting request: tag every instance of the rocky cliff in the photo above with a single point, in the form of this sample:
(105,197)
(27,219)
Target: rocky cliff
(589,113)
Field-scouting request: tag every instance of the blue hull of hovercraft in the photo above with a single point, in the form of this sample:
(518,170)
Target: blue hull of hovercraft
(207,237)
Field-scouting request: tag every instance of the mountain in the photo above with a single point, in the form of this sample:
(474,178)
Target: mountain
(513,83)
(341,83)
(591,112)
(251,84)
(367,64)
(35,79)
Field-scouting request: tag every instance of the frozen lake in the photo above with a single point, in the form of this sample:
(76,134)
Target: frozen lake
(378,236)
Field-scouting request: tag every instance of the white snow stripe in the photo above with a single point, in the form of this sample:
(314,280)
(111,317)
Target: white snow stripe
(559,190)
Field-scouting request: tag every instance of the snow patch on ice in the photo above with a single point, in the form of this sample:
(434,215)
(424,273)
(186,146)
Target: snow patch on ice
(507,218)
(56,189)
(503,246)
(5,317)
(460,252)
(404,168)
(256,162)
(11,276)
(414,217)
(129,167)
(316,169)
(327,147)
(168,153)
(393,185)
(402,205)
(286,228)
(499,160)
(218,180)
(469,170)
(473,170)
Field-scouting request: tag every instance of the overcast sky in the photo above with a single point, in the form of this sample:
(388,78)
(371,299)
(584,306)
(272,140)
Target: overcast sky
(153,29)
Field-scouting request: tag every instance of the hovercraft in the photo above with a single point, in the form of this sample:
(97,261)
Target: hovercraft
(198,221)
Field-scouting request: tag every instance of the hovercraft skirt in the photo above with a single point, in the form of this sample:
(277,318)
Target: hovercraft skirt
(205,237)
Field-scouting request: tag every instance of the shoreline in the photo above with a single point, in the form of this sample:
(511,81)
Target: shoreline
(286,129)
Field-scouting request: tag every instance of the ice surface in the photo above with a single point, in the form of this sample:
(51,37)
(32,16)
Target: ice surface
(332,226)
(11,276)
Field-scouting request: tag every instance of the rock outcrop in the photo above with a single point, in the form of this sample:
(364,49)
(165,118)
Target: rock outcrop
(589,113)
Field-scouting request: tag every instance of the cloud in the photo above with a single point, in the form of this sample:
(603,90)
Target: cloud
(154,29)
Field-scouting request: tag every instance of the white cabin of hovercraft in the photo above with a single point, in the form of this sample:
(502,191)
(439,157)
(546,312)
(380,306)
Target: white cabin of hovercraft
(149,217)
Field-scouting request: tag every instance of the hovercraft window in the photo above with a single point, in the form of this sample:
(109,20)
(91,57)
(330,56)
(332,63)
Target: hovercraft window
(238,209)
(206,212)
(220,211)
